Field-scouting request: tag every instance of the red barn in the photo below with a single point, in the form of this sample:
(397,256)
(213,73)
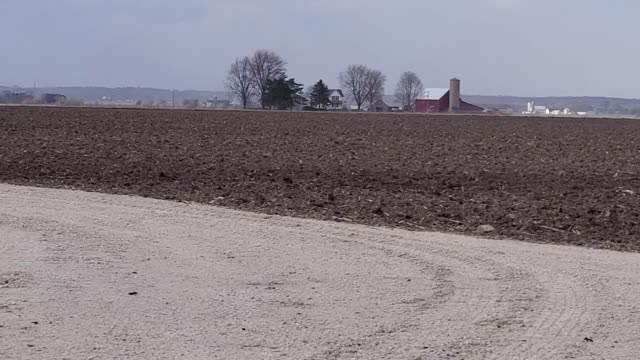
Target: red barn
(433,100)
(438,100)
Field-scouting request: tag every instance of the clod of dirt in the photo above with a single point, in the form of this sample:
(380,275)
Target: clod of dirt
(133,293)
(588,339)
(12,280)
(485,229)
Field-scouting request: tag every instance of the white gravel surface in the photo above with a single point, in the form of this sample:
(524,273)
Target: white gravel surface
(93,276)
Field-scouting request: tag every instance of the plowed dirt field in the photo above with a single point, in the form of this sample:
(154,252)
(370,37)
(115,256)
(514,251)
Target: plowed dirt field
(570,181)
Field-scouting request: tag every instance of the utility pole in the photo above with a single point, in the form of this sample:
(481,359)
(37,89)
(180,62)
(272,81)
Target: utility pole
(173,99)
(428,102)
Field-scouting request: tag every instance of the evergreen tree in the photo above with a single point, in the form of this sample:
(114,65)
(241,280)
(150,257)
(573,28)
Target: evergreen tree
(319,96)
(282,94)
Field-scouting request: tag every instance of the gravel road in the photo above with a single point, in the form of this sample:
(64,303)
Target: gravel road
(93,276)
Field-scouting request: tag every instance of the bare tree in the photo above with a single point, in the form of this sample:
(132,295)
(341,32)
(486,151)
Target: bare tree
(240,80)
(355,82)
(363,84)
(375,86)
(409,88)
(266,65)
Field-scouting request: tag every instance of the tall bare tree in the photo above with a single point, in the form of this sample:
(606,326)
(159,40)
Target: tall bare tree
(409,88)
(265,66)
(355,82)
(375,86)
(240,80)
(363,84)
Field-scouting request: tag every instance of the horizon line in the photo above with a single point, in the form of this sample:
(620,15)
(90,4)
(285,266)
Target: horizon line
(223,91)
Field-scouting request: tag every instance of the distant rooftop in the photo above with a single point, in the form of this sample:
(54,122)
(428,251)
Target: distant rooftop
(433,93)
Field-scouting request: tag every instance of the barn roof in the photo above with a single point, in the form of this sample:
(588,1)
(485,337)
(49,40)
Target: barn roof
(434,93)
(465,106)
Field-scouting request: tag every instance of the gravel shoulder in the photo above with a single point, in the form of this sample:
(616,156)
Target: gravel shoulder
(94,276)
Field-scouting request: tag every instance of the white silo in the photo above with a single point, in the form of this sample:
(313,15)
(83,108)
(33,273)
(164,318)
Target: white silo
(531,107)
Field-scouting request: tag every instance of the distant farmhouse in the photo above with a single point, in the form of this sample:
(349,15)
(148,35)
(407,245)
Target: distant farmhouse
(533,109)
(337,99)
(218,103)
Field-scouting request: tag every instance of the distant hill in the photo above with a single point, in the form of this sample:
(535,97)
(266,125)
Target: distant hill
(586,103)
(92,94)
(519,103)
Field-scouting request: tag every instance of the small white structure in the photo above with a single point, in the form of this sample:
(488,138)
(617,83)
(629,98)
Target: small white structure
(533,109)
(218,103)
(530,107)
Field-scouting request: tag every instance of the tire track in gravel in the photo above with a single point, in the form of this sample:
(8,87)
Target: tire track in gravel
(480,294)
(306,289)
(550,315)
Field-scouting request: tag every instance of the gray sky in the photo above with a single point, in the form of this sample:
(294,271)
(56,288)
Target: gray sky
(509,47)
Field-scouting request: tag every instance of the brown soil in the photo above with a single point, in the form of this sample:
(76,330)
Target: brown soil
(572,181)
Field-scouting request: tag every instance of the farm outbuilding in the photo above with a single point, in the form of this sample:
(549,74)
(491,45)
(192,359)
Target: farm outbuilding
(437,100)
(53,98)
(379,106)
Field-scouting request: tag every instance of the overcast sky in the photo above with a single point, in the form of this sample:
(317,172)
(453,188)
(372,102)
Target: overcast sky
(508,47)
